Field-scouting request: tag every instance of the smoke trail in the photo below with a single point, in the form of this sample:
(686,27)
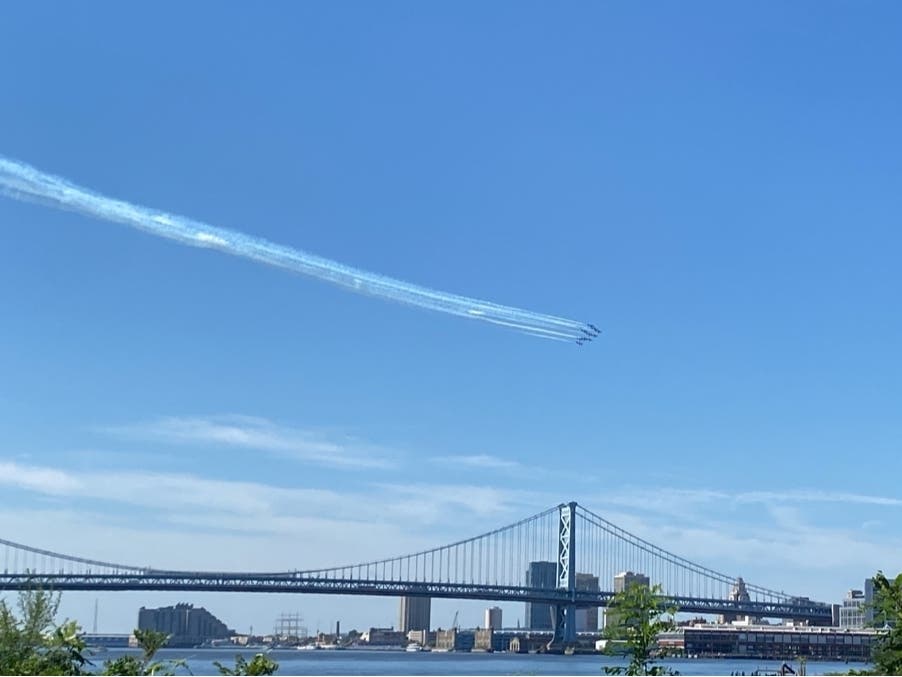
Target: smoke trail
(22,181)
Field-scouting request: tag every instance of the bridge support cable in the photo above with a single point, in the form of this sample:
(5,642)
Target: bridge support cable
(626,552)
(584,550)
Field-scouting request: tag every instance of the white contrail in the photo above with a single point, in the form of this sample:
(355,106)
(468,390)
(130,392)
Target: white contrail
(23,181)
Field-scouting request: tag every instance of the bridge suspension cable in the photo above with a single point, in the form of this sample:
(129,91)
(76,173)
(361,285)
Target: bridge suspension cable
(607,550)
(566,555)
(495,558)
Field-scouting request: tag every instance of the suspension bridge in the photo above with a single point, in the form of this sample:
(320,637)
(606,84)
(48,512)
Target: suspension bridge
(566,557)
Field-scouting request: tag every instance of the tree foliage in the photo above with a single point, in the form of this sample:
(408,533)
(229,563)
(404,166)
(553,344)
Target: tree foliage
(32,643)
(150,642)
(635,618)
(888,609)
(261,664)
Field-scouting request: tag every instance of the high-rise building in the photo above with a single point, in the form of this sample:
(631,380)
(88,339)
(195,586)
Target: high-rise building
(869,616)
(587,619)
(493,618)
(414,614)
(541,575)
(185,625)
(622,581)
(626,578)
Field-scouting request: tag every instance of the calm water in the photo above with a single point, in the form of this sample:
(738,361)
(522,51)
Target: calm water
(362,662)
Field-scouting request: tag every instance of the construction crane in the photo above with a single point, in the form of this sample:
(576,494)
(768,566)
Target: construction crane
(454,622)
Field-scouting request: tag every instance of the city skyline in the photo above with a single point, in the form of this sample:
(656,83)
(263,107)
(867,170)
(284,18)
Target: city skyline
(714,186)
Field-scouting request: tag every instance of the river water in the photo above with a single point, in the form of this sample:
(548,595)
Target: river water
(369,662)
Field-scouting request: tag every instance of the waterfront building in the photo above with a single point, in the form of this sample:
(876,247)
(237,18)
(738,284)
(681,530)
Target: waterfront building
(541,575)
(483,641)
(587,619)
(415,613)
(852,611)
(108,640)
(772,642)
(383,637)
(493,618)
(834,614)
(455,640)
(421,637)
(187,626)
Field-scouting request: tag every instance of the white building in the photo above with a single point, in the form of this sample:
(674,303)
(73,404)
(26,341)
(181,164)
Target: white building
(852,611)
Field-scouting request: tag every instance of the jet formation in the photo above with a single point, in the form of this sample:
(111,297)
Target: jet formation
(24,182)
(590,331)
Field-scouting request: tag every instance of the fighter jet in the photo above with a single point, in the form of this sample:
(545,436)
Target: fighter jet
(588,333)
(595,329)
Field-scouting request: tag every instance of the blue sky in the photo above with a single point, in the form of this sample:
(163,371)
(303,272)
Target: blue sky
(714,185)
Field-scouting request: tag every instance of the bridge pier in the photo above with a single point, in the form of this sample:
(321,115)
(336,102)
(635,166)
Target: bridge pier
(565,614)
(564,636)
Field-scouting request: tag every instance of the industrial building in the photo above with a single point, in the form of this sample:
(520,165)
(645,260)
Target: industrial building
(383,637)
(455,640)
(421,637)
(186,626)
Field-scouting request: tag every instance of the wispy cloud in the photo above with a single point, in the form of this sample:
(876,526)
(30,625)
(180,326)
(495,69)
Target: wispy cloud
(816,496)
(670,499)
(229,505)
(166,492)
(259,434)
(483,461)
(36,478)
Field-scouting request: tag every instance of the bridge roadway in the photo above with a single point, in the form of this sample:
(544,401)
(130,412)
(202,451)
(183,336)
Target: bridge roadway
(178,581)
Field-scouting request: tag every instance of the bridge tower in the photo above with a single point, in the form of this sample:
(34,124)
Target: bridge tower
(565,614)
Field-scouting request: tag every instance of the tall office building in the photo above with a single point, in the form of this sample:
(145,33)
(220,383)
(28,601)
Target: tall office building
(587,619)
(870,617)
(541,575)
(186,625)
(626,578)
(622,581)
(493,618)
(415,613)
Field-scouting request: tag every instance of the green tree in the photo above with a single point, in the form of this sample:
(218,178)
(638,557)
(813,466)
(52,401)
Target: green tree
(150,642)
(635,618)
(888,607)
(31,643)
(261,664)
